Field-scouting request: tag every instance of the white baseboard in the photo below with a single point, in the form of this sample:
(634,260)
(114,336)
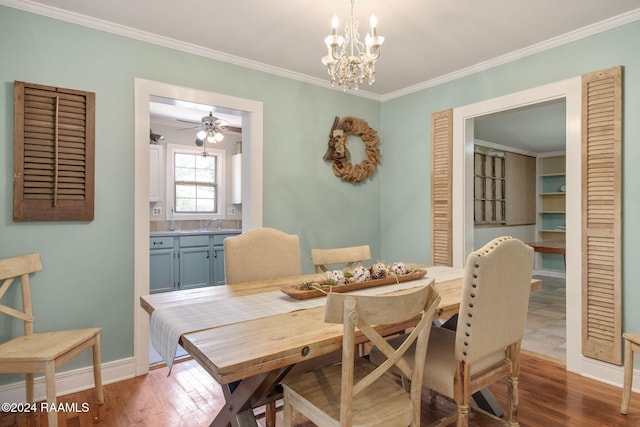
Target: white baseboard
(70,381)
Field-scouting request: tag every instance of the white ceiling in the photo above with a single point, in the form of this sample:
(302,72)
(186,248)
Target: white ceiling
(426,41)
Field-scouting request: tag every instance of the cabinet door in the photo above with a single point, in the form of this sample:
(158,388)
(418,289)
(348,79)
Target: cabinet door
(162,271)
(195,267)
(156,176)
(218,265)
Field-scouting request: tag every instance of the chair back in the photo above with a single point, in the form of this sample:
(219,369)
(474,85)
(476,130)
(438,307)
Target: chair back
(348,257)
(359,312)
(260,254)
(495,298)
(19,268)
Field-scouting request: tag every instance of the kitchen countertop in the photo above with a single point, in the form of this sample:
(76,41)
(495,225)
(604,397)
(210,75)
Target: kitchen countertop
(194,232)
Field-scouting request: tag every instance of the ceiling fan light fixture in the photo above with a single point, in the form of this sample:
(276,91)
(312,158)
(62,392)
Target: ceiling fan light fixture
(201,134)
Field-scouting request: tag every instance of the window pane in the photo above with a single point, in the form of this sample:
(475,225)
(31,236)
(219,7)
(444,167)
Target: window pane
(185,191)
(205,175)
(185,174)
(185,205)
(185,160)
(205,205)
(195,178)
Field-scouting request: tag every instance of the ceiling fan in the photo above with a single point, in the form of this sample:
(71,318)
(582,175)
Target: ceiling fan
(154,138)
(213,123)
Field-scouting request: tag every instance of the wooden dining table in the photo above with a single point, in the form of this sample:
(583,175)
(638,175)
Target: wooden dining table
(250,358)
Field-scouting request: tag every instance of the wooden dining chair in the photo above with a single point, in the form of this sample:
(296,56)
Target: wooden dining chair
(631,346)
(485,347)
(41,352)
(260,254)
(356,392)
(350,257)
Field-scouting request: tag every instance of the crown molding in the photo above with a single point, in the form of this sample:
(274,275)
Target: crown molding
(132,33)
(589,30)
(110,27)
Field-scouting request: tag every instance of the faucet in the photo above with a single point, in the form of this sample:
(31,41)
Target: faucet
(209,221)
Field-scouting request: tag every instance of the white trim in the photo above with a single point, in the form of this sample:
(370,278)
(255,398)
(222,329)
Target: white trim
(133,33)
(252,122)
(221,174)
(563,39)
(70,381)
(502,147)
(110,27)
(462,239)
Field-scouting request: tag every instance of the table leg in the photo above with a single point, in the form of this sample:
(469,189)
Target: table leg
(241,397)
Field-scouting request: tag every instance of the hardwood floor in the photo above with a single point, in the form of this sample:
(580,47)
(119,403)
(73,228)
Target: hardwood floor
(549,397)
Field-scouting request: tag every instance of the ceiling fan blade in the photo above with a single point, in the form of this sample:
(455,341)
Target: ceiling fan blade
(190,127)
(193,122)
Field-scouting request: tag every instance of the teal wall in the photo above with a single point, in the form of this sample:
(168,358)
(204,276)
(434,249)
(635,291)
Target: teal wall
(406,127)
(88,267)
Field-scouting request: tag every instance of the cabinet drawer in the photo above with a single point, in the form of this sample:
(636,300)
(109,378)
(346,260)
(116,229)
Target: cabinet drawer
(190,241)
(161,242)
(219,238)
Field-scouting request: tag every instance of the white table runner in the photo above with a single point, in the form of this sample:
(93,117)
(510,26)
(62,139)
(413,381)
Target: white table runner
(168,324)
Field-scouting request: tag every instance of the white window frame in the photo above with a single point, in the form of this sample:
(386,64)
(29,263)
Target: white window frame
(221,185)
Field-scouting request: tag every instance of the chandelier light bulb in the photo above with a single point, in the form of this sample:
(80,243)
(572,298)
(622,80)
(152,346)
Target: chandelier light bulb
(211,138)
(219,136)
(373,21)
(201,135)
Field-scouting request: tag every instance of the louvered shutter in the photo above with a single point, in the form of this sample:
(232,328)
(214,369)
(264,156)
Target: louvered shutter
(602,215)
(54,150)
(441,177)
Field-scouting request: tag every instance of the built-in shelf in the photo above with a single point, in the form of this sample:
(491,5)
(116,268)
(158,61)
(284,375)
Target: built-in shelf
(551,223)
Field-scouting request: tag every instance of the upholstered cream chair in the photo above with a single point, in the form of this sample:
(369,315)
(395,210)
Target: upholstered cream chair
(347,257)
(631,346)
(491,322)
(42,352)
(260,254)
(356,392)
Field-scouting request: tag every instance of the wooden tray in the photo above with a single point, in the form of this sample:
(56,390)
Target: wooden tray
(294,291)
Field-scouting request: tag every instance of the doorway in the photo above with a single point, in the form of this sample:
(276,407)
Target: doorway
(252,119)
(462,197)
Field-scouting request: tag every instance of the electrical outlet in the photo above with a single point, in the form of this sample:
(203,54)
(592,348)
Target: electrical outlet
(156,211)
(231,210)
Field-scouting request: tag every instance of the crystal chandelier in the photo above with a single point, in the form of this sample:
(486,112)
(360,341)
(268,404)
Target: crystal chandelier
(350,62)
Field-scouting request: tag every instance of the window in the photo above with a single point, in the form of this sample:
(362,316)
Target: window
(489,188)
(194,182)
(504,188)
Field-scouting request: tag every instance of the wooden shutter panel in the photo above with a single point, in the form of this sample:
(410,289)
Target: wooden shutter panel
(441,177)
(602,215)
(54,151)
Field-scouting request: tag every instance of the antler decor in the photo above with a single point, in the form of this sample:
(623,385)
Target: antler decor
(338,151)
